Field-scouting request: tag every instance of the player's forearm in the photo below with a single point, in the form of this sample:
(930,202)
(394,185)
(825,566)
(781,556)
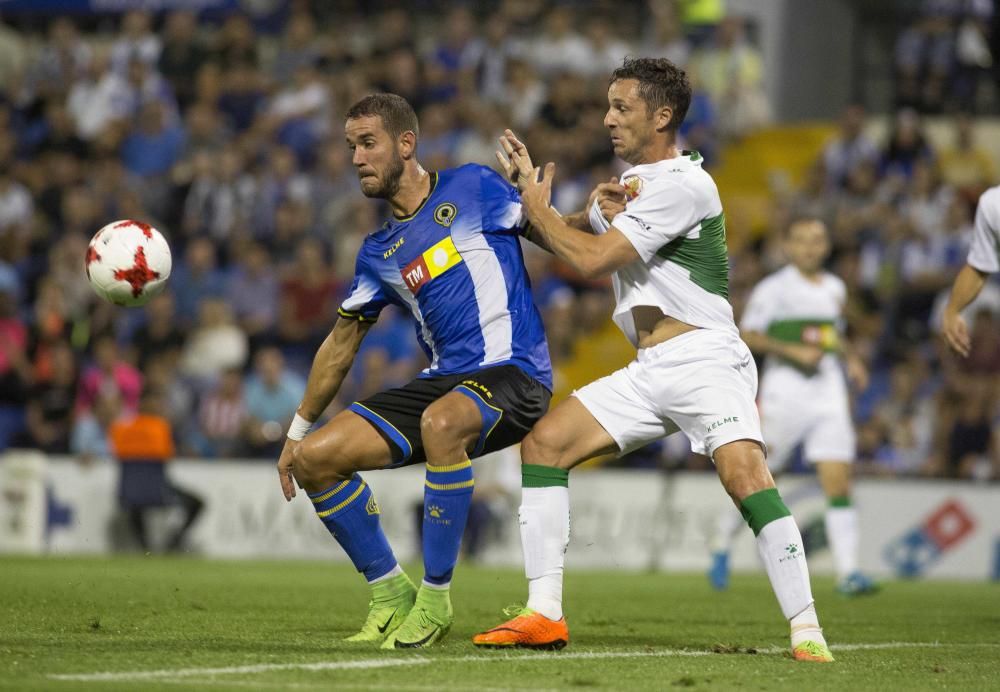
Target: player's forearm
(580,221)
(968,284)
(763,345)
(532,234)
(580,250)
(329,368)
(848,350)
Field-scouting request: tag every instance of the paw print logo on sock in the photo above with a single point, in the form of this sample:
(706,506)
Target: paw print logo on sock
(792,552)
(435,511)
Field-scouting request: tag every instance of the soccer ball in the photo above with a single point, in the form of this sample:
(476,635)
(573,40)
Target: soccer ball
(128,262)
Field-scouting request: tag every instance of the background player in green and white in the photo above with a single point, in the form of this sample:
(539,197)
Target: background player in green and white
(794,317)
(666,253)
(983,260)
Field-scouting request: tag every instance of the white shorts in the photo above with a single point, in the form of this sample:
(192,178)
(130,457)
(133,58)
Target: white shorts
(825,432)
(702,382)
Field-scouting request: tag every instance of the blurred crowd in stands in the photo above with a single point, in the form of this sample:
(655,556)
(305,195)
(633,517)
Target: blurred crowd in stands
(944,55)
(227,136)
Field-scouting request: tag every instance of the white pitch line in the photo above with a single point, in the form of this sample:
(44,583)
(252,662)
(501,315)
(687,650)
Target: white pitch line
(242,670)
(417,660)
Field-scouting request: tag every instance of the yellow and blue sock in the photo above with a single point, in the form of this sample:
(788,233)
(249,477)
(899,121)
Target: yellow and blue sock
(351,514)
(447,496)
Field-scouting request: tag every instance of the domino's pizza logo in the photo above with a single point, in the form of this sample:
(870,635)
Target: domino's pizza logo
(947,527)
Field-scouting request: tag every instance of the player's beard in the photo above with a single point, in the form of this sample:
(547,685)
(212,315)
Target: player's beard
(390,179)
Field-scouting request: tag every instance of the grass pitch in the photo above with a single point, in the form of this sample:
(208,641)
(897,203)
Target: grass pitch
(175,624)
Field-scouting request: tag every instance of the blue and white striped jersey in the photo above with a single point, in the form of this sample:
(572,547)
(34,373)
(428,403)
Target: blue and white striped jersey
(456,265)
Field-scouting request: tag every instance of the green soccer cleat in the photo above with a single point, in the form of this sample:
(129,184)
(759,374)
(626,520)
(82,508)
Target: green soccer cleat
(392,600)
(428,622)
(814,652)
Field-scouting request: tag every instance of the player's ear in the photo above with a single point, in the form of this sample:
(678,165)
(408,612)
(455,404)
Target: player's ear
(663,116)
(407,143)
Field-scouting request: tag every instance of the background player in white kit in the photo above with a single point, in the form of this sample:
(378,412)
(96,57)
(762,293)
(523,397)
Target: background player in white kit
(667,255)
(794,317)
(983,260)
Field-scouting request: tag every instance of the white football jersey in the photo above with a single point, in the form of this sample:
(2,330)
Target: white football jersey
(984,254)
(673,217)
(789,307)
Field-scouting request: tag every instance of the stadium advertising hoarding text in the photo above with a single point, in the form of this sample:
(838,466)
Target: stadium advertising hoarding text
(621,519)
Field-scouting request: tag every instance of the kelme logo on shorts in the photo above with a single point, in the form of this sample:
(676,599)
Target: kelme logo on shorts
(721,422)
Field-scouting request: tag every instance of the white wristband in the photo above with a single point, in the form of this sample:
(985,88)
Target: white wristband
(299,428)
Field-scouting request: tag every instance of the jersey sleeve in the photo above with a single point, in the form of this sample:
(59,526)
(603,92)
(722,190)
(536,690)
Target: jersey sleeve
(500,204)
(660,214)
(984,253)
(366,298)
(757,311)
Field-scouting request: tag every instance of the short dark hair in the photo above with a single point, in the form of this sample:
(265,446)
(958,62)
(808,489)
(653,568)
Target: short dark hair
(396,113)
(803,220)
(661,83)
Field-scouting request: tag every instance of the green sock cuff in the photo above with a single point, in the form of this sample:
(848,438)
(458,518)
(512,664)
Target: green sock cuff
(840,501)
(763,507)
(535,476)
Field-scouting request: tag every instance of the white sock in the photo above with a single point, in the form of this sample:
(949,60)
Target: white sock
(727,527)
(424,584)
(780,546)
(544,520)
(394,572)
(805,627)
(842,532)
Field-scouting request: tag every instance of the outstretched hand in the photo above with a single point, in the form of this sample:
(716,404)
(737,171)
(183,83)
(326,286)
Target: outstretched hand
(537,189)
(610,197)
(514,160)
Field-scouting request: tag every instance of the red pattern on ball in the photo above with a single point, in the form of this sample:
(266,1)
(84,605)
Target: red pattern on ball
(146,229)
(92,256)
(138,275)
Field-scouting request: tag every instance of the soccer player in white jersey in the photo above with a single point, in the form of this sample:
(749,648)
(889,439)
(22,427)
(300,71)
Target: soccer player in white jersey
(983,260)
(666,253)
(794,317)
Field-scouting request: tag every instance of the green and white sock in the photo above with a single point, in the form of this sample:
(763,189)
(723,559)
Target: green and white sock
(841,522)
(780,546)
(544,520)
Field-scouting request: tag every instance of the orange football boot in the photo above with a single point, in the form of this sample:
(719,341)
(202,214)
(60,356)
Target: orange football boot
(526,629)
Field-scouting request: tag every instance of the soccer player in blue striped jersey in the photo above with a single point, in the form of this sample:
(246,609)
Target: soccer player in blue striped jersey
(450,256)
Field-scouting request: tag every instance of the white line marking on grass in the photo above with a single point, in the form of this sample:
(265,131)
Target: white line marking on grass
(501,655)
(363,664)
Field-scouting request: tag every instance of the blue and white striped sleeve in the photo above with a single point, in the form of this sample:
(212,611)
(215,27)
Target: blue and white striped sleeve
(500,203)
(366,298)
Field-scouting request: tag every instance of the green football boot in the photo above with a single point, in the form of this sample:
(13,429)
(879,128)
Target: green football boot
(392,600)
(812,652)
(428,622)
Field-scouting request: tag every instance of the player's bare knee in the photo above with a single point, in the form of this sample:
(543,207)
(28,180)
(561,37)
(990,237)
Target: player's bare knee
(313,469)
(442,431)
(542,448)
(742,469)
